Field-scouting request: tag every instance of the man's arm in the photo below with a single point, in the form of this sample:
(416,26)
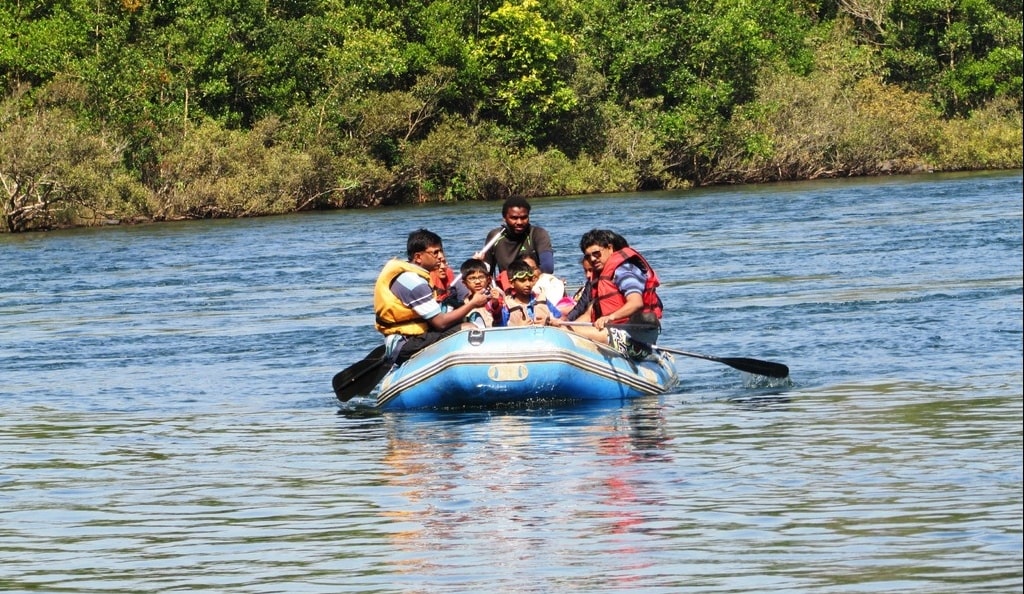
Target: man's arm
(545,253)
(416,294)
(634,303)
(445,320)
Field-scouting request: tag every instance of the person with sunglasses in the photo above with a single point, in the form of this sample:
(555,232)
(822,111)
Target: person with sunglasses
(625,309)
(548,288)
(404,304)
(441,280)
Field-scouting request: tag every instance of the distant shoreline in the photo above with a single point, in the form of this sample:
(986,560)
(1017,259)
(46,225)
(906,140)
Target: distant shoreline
(920,174)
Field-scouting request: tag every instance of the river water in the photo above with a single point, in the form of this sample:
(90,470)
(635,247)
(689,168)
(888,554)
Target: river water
(167,421)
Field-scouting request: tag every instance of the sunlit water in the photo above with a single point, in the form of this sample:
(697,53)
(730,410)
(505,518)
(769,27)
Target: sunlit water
(167,421)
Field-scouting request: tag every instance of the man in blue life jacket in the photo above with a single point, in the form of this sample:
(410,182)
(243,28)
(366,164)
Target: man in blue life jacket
(407,313)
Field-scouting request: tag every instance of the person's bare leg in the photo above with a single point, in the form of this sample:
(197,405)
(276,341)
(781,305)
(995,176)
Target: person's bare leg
(589,332)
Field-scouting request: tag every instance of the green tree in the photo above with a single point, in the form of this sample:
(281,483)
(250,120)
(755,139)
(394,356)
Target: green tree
(42,39)
(527,64)
(57,172)
(247,107)
(697,60)
(964,52)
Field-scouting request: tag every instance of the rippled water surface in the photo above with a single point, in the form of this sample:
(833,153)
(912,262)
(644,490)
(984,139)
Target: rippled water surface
(167,421)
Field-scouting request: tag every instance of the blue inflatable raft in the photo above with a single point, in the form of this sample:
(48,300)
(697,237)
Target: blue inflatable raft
(517,366)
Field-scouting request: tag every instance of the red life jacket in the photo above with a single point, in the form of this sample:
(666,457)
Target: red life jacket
(606,297)
(502,281)
(441,283)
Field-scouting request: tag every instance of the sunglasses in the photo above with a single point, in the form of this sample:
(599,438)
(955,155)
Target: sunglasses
(521,275)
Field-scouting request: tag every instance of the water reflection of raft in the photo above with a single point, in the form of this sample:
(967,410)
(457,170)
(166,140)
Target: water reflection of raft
(519,365)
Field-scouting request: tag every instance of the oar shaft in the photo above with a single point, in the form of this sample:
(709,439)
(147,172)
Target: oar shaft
(490,244)
(483,251)
(754,366)
(623,326)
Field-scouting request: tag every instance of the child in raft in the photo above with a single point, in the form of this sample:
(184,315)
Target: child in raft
(522,307)
(477,279)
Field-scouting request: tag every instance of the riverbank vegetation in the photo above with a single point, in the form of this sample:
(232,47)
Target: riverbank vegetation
(120,111)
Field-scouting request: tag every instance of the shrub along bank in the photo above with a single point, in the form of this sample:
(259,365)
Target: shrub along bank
(135,112)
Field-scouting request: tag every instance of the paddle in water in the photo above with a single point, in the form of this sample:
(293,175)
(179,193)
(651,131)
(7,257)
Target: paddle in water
(361,377)
(754,366)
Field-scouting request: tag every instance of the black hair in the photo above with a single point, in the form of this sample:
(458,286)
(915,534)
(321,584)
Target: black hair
(602,238)
(514,202)
(473,265)
(519,265)
(420,240)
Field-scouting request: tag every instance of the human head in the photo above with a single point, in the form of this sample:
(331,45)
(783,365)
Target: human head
(475,275)
(521,275)
(588,267)
(516,212)
(618,241)
(598,245)
(533,265)
(425,249)
(442,260)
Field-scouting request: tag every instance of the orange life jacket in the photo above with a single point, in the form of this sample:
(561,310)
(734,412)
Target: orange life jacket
(393,316)
(606,297)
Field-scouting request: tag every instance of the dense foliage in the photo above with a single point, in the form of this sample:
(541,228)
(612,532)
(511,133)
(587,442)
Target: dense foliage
(122,110)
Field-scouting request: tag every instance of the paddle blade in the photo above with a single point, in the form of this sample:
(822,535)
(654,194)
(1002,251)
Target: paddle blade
(756,366)
(361,377)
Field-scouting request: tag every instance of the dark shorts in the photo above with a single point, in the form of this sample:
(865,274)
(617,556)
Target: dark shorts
(415,344)
(645,336)
(644,327)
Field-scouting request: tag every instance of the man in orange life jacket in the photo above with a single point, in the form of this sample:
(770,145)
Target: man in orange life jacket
(407,313)
(625,307)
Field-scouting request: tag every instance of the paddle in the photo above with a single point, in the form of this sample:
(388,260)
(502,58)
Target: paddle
(755,366)
(361,377)
(483,251)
